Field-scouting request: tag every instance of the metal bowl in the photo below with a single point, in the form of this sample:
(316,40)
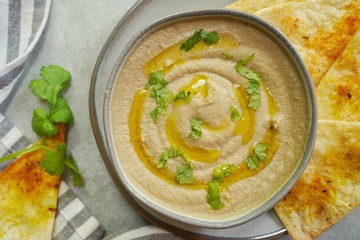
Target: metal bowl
(168,215)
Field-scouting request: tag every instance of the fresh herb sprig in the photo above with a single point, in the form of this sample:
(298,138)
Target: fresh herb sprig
(219,173)
(183,95)
(254,86)
(54,79)
(158,90)
(195,125)
(184,172)
(259,155)
(235,115)
(200,34)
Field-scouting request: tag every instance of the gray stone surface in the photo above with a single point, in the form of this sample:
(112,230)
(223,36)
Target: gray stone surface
(74,36)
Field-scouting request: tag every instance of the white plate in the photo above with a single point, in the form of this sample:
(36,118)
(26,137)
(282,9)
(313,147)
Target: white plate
(140,15)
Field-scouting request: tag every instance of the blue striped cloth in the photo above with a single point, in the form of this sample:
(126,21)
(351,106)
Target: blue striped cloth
(21,25)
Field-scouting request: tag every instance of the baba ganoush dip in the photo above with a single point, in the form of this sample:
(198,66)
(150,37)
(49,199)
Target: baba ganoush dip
(208,118)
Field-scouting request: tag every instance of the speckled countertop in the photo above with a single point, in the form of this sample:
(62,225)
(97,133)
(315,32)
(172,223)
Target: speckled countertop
(74,36)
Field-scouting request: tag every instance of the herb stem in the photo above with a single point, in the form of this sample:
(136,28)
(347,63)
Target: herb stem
(22,152)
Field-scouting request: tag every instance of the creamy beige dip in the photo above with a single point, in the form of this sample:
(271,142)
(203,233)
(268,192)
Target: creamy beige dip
(281,121)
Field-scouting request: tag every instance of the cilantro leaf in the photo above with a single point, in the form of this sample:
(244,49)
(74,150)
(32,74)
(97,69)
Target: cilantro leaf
(163,97)
(248,59)
(56,76)
(211,38)
(54,80)
(156,79)
(42,125)
(235,115)
(192,41)
(61,112)
(171,153)
(252,162)
(248,73)
(183,95)
(54,162)
(184,174)
(254,101)
(158,91)
(213,197)
(154,114)
(74,170)
(259,155)
(44,90)
(219,173)
(254,87)
(200,34)
(261,151)
(195,125)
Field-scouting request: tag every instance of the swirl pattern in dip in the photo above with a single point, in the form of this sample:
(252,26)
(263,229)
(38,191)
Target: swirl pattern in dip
(208,74)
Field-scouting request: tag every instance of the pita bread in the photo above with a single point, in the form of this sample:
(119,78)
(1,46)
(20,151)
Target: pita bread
(28,196)
(330,186)
(338,94)
(319,29)
(252,6)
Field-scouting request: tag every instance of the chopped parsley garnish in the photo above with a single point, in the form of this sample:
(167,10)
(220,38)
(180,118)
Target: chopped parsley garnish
(45,123)
(259,155)
(183,95)
(200,34)
(211,38)
(166,155)
(156,80)
(184,173)
(254,86)
(219,173)
(195,125)
(235,115)
(162,95)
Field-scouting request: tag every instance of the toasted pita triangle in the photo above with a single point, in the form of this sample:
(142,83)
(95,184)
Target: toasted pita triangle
(330,186)
(338,94)
(319,29)
(252,6)
(28,196)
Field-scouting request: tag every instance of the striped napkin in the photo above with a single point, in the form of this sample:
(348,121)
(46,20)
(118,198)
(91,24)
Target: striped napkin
(149,232)
(21,25)
(73,220)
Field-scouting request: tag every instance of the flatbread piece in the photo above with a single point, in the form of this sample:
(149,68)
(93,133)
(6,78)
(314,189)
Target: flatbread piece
(28,196)
(338,93)
(330,186)
(319,29)
(252,6)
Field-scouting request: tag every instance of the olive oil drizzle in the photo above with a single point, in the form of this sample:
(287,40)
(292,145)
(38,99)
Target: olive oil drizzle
(193,152)
(198,85)
(246,125)
(134,123)
(173,56)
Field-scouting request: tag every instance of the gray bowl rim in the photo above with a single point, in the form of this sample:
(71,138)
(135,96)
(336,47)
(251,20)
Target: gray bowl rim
(284,43)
